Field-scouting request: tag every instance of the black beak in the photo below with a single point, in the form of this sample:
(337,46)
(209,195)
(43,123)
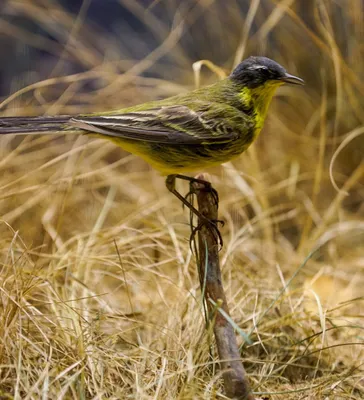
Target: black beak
(294,80)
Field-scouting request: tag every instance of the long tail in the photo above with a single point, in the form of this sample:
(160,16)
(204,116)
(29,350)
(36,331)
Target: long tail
(33,125)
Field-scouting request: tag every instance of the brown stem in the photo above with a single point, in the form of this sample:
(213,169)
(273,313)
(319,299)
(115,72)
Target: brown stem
(234,375)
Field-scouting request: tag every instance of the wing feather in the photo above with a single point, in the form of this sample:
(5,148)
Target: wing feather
(176,124)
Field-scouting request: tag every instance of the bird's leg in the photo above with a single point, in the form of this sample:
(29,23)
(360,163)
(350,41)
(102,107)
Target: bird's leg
(171,186)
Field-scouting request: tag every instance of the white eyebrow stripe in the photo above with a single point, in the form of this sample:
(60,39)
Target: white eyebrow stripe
(258,67)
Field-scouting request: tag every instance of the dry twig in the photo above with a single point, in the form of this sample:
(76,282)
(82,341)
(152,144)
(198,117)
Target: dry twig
(235,379)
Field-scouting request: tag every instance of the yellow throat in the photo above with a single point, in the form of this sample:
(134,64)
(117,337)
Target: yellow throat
(259,99)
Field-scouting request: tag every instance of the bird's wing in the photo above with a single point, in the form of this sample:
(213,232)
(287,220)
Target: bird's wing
(176,124)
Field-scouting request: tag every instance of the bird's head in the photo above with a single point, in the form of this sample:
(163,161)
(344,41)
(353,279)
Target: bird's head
(255,72)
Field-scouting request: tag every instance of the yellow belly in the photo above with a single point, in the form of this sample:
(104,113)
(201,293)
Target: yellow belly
(174,159)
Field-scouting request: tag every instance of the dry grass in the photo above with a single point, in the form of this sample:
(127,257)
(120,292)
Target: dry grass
(99,291)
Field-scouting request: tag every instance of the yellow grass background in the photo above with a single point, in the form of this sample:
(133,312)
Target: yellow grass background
(98,287)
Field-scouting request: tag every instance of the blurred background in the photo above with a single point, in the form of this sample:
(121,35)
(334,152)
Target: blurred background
(99,289)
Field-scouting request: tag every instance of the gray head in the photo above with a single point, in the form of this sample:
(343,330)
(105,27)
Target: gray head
(256,71)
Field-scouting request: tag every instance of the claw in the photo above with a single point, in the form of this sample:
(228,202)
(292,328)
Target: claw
(215,195)
(187,201)
(207,187)
(213,228)
(189,196)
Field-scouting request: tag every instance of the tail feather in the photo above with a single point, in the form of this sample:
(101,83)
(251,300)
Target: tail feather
(33,125)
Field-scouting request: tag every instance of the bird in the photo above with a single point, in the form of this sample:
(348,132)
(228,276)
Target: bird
(183,133)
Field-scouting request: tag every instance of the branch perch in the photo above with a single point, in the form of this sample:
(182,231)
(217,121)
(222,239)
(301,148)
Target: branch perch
(234,375)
